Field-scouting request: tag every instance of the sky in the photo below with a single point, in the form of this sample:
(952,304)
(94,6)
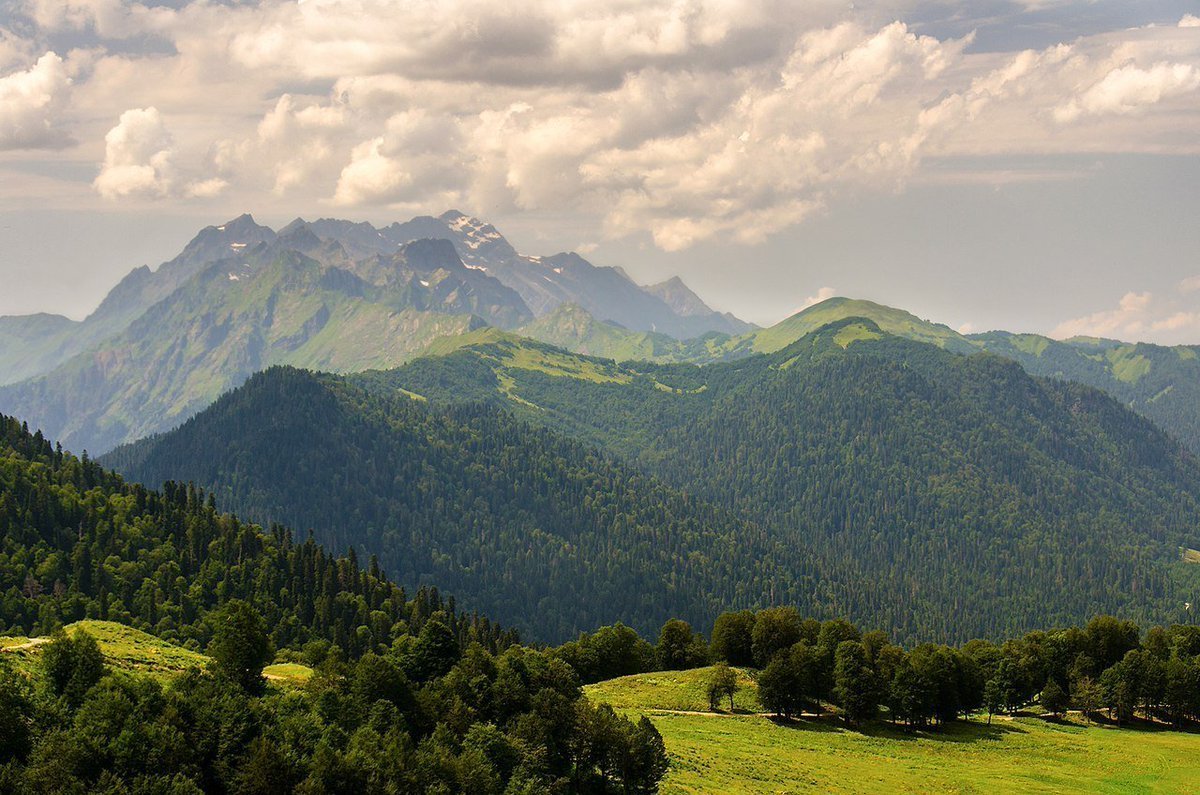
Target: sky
(1032,165)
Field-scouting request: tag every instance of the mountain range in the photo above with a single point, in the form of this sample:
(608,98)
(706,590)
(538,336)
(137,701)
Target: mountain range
(541,431)
(854,472)
(327,294)
(1157,381)
(346,297)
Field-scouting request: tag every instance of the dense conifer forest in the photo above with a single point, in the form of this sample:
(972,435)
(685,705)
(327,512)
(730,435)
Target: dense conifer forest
(852,473)
(536,530)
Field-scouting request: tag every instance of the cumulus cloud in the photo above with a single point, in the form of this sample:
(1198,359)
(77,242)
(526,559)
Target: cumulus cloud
(291,147)
(30,102)
(1143,317)
(1129,89)
(420,156)
(823,294)
(137,157)
(680,121)
(139,162)
(1189,21)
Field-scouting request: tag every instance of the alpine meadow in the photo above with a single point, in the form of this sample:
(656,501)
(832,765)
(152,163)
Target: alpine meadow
(599,398)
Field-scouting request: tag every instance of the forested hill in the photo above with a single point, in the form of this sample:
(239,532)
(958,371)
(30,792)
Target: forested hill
(534,529)
(77,541)
(853,473)
(404,696)
(1157,381)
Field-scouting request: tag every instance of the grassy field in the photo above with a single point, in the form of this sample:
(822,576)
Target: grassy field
(131,649)
(748,753)
(672,690)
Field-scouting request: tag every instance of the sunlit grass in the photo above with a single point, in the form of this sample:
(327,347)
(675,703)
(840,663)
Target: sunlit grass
(747,753)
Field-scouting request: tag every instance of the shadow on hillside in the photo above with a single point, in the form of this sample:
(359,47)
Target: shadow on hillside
(813,724)
(1139,724)
(957,732)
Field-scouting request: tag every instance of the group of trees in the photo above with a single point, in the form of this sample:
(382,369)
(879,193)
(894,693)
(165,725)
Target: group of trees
(488,507)
(424,716)
(1106,665)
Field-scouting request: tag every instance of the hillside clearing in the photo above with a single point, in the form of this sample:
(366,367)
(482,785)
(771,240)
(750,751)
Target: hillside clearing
(747,753)
(129,649)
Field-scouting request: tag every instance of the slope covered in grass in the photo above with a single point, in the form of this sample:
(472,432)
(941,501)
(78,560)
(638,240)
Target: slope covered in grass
(130,649)
(747,753)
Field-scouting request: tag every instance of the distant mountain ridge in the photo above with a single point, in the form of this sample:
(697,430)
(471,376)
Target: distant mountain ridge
(1160,382)
(951,496)
(384,298)
(328,294)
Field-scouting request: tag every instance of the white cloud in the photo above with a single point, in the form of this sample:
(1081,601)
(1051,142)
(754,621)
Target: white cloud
(823,294)
(14,50)
(30,102)
(418,157)
(206,188)
(1129,89)
(1143,317)
(371,176)
(137,157)
(1189,21)
(680,121)
(291,147)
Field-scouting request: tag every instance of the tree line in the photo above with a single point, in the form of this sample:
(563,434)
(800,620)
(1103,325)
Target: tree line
(77,541)
(1106,668)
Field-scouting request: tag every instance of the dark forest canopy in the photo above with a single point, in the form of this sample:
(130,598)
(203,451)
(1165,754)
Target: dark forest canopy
(76,542)
(851,473)
(536,530)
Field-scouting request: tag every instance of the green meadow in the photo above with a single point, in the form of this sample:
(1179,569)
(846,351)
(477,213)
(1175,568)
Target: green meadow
(745,752)
(129,649)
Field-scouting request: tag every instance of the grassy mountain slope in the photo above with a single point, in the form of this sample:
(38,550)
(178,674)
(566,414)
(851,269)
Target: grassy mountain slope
(1159,382)
(577,330)
(274,305)
(573,328)
(130,649)
(945,496)
(892,321)
(29,344)
(510,517)
(752,754)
